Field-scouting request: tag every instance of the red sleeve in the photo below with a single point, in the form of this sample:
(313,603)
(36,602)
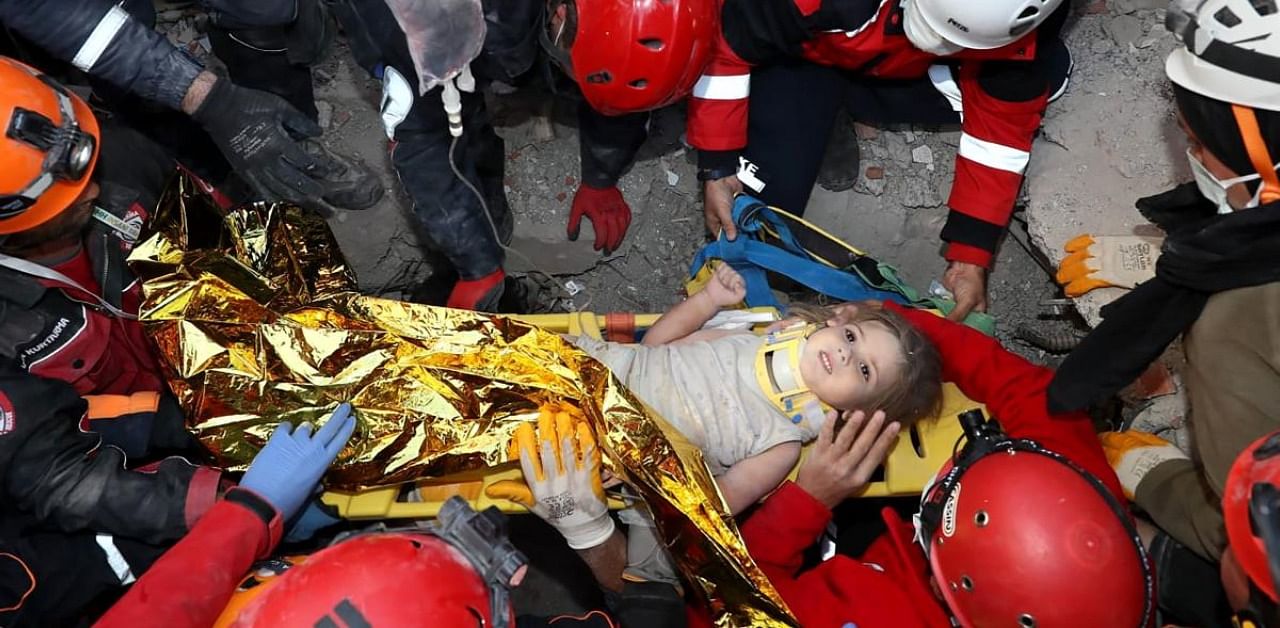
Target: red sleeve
(838,592)
(717,117)
(785,525)
(995,146)
(191,583)
(1014,391)
(202,493)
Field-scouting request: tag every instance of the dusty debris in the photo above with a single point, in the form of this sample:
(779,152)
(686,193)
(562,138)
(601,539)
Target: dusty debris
(324,114)
(898,148)
(543,129)
(921,193)
(922,155)
(897,218)
(1125,29)
(871,185)
(1131,6)
(1135,153)
(1156,381)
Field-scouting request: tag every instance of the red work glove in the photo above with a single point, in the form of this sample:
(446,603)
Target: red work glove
(609,214)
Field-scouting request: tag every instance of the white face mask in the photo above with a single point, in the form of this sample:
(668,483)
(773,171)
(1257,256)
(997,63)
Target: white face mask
(1216,191)
(922,35)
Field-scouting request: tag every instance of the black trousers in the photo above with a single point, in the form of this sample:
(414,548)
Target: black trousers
(794,105)
(54,578)
(793,109)
(249,36)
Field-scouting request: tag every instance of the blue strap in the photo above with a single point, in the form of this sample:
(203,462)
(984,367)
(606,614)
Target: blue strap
(735,255)
(752,258)
(750,214)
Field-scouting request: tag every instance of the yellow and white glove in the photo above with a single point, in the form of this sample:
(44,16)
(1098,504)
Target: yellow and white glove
(1133,454)
(1107,262)
(561,466)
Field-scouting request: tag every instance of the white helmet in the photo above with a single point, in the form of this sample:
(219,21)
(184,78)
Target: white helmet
(1231,51)
(984,24)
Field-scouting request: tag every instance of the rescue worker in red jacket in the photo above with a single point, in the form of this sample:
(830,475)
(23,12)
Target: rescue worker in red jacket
(190,584)
(993,66)
(1028,529)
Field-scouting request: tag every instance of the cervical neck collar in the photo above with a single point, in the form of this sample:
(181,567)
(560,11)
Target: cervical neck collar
(778,371)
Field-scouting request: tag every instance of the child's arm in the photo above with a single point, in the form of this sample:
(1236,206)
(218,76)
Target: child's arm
(725,288)
(752,478)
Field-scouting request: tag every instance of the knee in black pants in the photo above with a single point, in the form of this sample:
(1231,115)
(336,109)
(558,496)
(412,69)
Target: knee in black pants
(1189,587)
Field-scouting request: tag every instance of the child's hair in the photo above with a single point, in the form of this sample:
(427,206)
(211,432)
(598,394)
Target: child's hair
(917,393)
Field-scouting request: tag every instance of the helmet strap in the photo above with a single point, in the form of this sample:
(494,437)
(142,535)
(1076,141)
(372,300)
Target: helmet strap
(1247,120)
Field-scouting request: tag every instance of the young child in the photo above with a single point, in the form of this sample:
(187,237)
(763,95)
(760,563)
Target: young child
(749,402)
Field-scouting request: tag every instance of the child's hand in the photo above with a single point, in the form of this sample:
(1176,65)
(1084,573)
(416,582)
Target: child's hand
(842,463)
(726,286)
(847,312)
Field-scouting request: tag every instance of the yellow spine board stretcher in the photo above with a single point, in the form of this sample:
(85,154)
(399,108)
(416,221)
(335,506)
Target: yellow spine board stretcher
(912,463)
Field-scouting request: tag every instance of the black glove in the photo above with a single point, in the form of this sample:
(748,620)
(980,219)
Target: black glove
(257,132)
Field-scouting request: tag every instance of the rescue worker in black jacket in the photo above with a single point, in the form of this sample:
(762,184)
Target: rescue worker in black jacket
(78,525)
(259,133)
(269,44)
(450,213)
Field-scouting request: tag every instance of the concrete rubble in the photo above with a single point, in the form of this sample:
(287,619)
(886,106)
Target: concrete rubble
(1113,128)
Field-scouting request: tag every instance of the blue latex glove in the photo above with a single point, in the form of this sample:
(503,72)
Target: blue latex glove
(314,518)
(288,468)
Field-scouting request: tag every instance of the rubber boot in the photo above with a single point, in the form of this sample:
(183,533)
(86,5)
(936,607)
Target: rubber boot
(839,169)
(348,183)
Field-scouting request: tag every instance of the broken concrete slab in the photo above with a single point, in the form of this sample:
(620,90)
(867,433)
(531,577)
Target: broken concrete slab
(922,155)
(380,242)
(1108,141)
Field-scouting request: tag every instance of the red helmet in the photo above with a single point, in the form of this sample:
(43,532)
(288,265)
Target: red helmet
(1251,509)
(637,55)
(1020,536)
(456,572)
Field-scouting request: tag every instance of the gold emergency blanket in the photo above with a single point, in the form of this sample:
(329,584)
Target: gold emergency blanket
(257,320)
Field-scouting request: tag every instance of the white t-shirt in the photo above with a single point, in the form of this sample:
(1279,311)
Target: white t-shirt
(707,390)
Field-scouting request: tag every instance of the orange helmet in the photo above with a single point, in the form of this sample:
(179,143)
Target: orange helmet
(1018,535)
(1251,511)
(457,571)
(50,146)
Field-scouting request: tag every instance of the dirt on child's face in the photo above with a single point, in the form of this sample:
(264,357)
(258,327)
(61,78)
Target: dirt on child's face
(848,365)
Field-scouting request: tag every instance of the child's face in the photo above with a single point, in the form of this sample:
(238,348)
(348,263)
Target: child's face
(847,365)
